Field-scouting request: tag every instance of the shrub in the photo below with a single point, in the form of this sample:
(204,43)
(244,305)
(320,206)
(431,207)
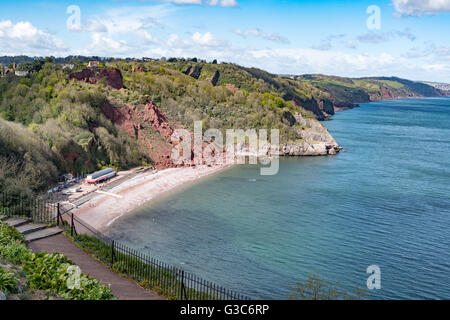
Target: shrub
(45,271)
(51,272)
(8,282)
(317,288)
(9,235)
(15,252)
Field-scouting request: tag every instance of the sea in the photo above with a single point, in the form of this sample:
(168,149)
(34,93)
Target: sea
(384,201)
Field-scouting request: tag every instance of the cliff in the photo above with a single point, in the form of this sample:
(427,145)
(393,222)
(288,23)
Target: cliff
(82,126)
(339,93)
(148,125)
(313,139)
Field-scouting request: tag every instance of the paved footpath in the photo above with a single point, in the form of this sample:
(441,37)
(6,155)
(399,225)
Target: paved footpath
(122,288)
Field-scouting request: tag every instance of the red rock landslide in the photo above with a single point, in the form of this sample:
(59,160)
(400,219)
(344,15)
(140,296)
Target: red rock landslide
(149,126)
(113,76)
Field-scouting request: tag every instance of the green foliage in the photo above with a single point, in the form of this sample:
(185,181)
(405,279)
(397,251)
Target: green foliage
(67,132)
(96,245)
(15,252)
(48,272)
(9,235)
(317,288)
(8,282)
(51,272)
(26,162)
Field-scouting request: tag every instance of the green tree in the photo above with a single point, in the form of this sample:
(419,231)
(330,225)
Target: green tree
(317,288)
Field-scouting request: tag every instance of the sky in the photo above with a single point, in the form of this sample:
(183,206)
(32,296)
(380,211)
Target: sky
(404,38)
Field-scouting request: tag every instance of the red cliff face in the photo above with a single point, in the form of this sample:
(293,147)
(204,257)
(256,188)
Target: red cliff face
(113,77)
(149,126)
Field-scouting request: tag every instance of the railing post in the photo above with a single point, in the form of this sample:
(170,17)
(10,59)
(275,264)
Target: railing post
(58,215)
(112,253)
(71,226)
(183,287)
(182,284)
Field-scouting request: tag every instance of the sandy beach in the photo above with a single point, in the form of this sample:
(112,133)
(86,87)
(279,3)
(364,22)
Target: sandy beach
(107,207)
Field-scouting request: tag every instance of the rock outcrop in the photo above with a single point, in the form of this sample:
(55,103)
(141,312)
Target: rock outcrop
(310,105)
(194,72)
(215,78)
(313,139)
(113,77)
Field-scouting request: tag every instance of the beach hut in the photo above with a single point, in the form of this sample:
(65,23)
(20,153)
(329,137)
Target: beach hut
(101,176)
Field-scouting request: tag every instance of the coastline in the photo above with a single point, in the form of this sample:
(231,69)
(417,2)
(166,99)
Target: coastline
(106,207)
(103,210)
(358,104)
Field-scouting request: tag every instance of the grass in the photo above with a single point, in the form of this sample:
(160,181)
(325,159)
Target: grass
(149,273)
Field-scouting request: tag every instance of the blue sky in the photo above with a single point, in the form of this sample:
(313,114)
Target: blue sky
(289,37)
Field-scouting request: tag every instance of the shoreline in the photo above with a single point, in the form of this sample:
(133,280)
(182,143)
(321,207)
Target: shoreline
(107,207)
(358,104)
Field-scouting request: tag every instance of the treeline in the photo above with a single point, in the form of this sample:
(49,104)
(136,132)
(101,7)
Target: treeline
(7,60)
(248,103)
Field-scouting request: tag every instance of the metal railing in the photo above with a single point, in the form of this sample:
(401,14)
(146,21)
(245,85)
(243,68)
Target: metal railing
(167,280)
(37,210)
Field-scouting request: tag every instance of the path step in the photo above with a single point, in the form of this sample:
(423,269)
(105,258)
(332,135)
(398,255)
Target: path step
(17,222)
(30,228)
(3,217)
(41,234)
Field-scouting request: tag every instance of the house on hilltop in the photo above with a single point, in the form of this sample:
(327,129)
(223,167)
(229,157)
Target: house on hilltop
(93,64)
(21,73)
(4,70)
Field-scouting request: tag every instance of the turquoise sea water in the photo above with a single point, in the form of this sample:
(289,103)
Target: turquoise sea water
(385,202)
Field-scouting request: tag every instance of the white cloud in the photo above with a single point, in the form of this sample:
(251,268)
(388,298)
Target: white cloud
(24,38)
(439,67)
(93,25)
(222,3)
(126,19)
(380,37)
(206,39)
(146,37)
(297,61)
(351,64)
(274,37)
(175,41)
(420,7)
(325,46)
(198,40)
(228,3)
(431,52)
(350,44)
(102,45)
(186,1)
(105,29)
(329,42)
